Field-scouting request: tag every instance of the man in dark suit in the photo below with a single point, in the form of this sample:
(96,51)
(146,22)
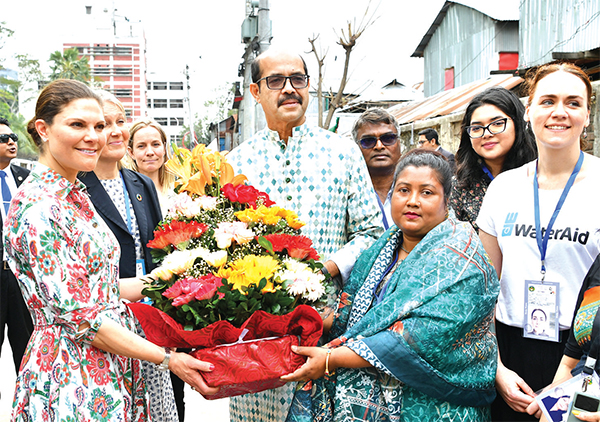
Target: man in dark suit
(13,311)
(429,139)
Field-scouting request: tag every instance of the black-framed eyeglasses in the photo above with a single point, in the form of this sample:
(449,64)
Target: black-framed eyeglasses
(496,127)
(386,139)
(5,137)
(277,82)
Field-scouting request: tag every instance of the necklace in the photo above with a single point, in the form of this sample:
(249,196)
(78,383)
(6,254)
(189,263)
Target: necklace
(402,247)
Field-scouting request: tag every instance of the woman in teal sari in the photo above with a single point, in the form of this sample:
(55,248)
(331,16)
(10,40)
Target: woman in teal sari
(411,336)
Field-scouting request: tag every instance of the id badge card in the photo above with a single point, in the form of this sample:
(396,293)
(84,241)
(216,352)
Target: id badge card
(558,400)
(541,310)
(140,268)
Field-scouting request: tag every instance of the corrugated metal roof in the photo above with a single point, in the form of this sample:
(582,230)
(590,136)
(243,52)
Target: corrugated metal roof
(508,12)
(451,101)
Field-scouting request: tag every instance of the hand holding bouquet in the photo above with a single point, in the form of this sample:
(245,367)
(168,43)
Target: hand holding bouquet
(227,251)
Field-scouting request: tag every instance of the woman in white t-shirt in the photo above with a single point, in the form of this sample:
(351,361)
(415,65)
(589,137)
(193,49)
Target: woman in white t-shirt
(558,112)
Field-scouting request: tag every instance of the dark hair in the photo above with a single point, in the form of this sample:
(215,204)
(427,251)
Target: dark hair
(373,116)
(4,122)
(53,99)
(419,157)
(257,72)
(468,162)
(541,310)
(430,134)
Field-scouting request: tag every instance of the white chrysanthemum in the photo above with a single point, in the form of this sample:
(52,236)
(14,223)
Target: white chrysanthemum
(302,281)
(226,232)
(177,262)
(295,266)
(216,259)
(208,203)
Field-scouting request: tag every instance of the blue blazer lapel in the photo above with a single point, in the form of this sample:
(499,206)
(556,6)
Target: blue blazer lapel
(136,191)
(103,203)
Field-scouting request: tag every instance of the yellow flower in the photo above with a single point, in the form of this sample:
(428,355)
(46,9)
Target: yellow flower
(195,169)
(250,270)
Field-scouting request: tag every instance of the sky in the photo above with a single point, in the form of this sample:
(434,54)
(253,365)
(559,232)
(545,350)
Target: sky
(205,35)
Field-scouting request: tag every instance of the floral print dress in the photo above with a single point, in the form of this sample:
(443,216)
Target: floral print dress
(66,261)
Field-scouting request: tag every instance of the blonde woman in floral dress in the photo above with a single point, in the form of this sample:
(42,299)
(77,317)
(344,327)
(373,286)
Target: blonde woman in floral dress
(83,360)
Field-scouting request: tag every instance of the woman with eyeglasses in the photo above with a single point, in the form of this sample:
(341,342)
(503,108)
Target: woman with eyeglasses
(493,139)
(540,225)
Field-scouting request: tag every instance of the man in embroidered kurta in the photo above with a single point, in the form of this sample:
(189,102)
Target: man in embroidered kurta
(318,174)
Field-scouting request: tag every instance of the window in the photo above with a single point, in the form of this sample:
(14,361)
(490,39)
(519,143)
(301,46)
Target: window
(448,79)
(123,93)
(176,86)
(160,103)
(163,121)
(149,103)
(176,103)
(128,113)
(149,85)
(508,61)
(100,71)
(175,138)
(123,71)
(160,86)
(176,121)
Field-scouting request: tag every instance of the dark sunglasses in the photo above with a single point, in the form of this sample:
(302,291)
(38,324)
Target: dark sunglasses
(278,82)
(4,138)
(370,141)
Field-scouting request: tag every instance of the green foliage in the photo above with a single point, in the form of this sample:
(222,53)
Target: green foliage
(231,305)
(68,65)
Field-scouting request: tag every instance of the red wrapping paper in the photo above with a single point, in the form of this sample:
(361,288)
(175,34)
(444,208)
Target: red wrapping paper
(243,367)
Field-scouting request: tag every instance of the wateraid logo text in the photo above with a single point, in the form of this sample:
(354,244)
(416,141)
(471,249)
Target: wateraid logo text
(511,228)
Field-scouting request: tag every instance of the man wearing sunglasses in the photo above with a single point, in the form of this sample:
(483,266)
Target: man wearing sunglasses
(429,139)
(315,172)
(13,311)
(376,133)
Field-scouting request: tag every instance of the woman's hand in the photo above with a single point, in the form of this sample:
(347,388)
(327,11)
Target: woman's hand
(187,368)
(513,389)
(534,410)
(587,416)
(313,368)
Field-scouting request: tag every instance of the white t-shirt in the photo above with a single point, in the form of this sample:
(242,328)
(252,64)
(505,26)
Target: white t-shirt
(508,213)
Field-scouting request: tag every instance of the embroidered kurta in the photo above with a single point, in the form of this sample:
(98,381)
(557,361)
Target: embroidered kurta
(66,260)
(427,338)
(322,177)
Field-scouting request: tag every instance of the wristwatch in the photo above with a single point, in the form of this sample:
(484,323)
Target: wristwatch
(164,365)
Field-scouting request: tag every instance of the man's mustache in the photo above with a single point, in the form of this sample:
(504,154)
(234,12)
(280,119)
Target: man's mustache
(287,97)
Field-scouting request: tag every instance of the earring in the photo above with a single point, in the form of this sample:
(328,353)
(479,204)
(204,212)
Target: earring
(447,213)
(527,126)
(585,132)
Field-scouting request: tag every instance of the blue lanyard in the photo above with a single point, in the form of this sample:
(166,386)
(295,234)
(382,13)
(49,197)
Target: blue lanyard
(542,241)
(385,223)
(127,205)
(487,171)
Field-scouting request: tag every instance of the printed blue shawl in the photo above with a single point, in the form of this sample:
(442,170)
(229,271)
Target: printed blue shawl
(428,339)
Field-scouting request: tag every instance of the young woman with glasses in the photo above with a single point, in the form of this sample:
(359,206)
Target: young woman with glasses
(539,224)
(493,139)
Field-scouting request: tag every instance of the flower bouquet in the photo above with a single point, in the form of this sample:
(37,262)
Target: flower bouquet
(235,271)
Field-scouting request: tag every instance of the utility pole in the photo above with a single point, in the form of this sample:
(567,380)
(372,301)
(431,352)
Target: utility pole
(189,103)
(256,34)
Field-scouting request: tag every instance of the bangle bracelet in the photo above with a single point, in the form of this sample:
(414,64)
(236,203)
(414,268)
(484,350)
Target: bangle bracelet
(327,363)
(324,271)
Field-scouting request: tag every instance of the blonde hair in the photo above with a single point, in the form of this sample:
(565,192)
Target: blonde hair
(165,178)
(109,97)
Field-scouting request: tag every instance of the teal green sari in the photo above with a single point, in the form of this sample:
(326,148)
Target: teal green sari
(425,331)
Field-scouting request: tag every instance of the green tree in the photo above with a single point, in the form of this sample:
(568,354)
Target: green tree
(68,65)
